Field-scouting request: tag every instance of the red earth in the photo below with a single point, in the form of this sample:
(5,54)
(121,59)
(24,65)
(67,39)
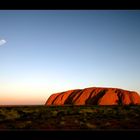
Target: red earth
(95,96)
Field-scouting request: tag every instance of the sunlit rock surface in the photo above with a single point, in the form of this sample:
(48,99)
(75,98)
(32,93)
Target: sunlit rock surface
(95,96)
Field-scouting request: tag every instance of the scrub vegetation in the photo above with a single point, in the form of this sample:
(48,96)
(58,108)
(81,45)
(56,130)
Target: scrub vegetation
(69,117)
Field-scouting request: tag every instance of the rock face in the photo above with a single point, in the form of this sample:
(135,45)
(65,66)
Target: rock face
(95,96)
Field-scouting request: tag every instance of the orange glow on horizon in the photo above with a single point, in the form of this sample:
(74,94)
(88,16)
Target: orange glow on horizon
(25,94)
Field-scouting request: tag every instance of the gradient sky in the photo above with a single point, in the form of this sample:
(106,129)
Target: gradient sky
(50,51)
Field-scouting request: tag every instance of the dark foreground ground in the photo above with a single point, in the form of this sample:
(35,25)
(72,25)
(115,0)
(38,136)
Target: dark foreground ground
(70,118)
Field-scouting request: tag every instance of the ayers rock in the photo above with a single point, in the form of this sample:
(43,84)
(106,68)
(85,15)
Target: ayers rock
(95,96)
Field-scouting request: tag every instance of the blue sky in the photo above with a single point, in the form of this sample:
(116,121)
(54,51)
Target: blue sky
(48,51)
